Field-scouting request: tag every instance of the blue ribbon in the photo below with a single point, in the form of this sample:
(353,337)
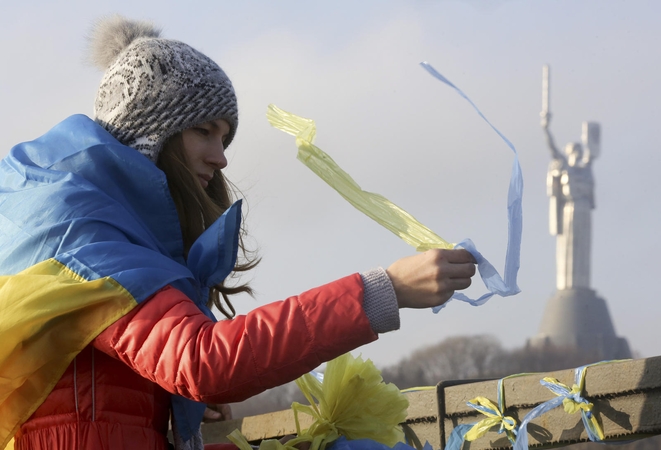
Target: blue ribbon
(456,439)
(458,435)
(563,393)
(501,407)
(342,443)
(488,411)
(492,279)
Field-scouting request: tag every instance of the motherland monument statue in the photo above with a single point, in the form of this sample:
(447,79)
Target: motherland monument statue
(575,317)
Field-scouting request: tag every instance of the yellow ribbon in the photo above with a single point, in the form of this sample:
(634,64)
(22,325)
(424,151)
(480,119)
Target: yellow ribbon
(494,417)
(373,205)
(418,388)
(571,405)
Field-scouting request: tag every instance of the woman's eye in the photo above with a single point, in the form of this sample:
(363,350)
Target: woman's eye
(202,131)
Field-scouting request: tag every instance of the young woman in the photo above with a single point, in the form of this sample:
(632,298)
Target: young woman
(116,237)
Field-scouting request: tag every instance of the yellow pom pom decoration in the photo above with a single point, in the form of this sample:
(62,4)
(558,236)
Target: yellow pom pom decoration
(352,401)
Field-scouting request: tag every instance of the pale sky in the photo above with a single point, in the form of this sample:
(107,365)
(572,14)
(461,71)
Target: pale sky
(353,67)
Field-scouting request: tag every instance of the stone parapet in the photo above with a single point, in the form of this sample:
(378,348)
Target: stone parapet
(626,397)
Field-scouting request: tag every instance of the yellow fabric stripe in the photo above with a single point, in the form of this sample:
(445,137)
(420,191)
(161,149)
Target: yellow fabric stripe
(48,314)
(375,206)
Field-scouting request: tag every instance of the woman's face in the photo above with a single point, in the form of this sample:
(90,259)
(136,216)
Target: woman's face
(204,148)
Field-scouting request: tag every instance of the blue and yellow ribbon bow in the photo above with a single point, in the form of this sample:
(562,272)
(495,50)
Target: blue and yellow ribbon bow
(572,401)
(494,417)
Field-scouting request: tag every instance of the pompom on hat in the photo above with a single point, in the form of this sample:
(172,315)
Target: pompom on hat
(154,88)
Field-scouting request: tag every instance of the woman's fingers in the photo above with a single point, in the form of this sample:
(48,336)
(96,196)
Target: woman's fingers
(217,413)
(430,278)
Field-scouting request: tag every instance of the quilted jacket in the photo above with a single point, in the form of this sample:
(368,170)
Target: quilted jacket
(116,393)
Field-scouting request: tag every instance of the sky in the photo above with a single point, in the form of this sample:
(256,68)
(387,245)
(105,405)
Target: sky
(353,67)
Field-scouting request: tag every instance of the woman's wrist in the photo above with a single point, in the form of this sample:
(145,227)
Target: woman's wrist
(380,301)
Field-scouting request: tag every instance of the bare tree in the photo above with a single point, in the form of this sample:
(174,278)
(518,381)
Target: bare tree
(479,357)
(546,359)
(455,358)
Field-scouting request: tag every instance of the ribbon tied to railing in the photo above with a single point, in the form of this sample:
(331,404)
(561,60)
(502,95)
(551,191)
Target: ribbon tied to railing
(572,400)
(495,417)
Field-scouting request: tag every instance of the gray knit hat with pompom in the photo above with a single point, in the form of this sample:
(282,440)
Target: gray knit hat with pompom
(154,88)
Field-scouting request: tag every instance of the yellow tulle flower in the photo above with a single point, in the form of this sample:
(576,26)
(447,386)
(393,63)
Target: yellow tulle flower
(352,401)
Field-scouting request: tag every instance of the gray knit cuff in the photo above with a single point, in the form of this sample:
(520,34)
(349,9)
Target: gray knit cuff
(380,301)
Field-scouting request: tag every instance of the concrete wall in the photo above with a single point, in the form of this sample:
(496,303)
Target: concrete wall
(626,395)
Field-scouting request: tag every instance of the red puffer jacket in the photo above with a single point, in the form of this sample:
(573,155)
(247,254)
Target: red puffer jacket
(116,393)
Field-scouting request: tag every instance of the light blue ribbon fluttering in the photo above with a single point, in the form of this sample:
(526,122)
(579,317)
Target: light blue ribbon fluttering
(492,279)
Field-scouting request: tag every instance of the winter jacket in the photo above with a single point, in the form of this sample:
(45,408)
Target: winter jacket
(116,393)
(88,235)
(88,231)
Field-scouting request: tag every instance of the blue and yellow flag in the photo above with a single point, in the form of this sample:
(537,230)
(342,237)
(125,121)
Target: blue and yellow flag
(88,230)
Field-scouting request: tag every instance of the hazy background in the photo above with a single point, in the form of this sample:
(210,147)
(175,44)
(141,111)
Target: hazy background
(353,67)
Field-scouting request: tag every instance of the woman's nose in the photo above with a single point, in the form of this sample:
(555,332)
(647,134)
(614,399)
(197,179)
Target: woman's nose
(217,156)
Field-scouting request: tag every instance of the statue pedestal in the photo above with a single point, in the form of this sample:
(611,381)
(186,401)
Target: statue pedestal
(578,318)
(575,317)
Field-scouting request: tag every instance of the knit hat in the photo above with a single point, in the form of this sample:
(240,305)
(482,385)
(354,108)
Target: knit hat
(154,88)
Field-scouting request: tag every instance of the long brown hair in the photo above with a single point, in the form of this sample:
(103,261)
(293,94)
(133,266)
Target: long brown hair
(198,208)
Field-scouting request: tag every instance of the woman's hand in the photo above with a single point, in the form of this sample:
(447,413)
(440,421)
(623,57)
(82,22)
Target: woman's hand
(217,413)
(429,279)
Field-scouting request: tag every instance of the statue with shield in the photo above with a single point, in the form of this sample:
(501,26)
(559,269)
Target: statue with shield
(570,186)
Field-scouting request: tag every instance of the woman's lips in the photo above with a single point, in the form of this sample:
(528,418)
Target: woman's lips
(204,180)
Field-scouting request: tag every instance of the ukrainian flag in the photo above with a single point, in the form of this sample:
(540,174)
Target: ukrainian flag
(88,230)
